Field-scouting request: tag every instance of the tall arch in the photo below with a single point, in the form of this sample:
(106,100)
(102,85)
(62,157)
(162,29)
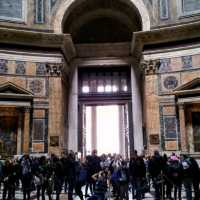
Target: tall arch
(67,6)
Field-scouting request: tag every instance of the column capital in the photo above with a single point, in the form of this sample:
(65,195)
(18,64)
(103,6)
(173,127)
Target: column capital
(54,69)
(150,67)
(181,106)
(27,109)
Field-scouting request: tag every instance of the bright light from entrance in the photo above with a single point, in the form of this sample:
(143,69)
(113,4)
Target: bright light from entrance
(125,88)
(100,88)
(85,89)
(115,88)
(107,129)
(108,88)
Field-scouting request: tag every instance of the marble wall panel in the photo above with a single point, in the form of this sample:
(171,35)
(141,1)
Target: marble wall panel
(40,69)
(165,65)
(196,61)
(176,64)
(38,147)
(188,76)
(190,5)
(37,86)
(169,110)
(12,10)
(38,129)
(3,66)
(187,62)
(151,107)
(171,146)
(20,68)
(39,113)
(169,82)
(170,127)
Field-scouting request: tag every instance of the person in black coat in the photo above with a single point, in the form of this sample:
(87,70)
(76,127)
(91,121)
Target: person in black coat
(140,177)
(9,178)
(156,166)
(26,176)
(58,176)
(195,177)
(174,175)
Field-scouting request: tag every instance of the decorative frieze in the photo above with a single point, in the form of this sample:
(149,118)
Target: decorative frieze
(150,67)
(3,66)
(54,69)
(164,65)
(41,69)
(20,67)
(187,62)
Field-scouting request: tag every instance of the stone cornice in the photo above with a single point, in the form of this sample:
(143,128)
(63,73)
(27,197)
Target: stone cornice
(163,36)
(61,42)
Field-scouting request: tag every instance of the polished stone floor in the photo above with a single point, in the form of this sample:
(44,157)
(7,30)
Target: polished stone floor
(63,196)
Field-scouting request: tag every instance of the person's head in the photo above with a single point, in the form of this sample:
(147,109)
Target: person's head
(173,158)
(156,153)
(7,162)
(94,152)
(184,156)
(71,155)
(26,156)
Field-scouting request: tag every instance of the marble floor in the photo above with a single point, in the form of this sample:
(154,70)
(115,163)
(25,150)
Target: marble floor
(63,196)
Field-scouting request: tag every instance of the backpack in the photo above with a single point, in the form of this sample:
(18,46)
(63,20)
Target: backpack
(100,187)
(175,166)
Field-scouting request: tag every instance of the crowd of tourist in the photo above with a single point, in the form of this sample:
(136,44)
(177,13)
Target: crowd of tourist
(169,177)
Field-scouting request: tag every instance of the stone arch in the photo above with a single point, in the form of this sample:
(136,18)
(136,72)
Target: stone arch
(67,6)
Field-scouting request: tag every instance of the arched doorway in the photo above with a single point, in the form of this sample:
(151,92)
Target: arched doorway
(102,33)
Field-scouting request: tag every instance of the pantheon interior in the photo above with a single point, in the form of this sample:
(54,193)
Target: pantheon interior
(62,62)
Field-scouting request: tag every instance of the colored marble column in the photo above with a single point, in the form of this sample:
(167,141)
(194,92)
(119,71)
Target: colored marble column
(26,136)
(183,136)
(94,128)
(19,133)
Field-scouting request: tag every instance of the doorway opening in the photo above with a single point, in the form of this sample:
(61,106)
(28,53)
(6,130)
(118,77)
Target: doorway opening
(102,130)
(105,110)
(106,129)
(8,136)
